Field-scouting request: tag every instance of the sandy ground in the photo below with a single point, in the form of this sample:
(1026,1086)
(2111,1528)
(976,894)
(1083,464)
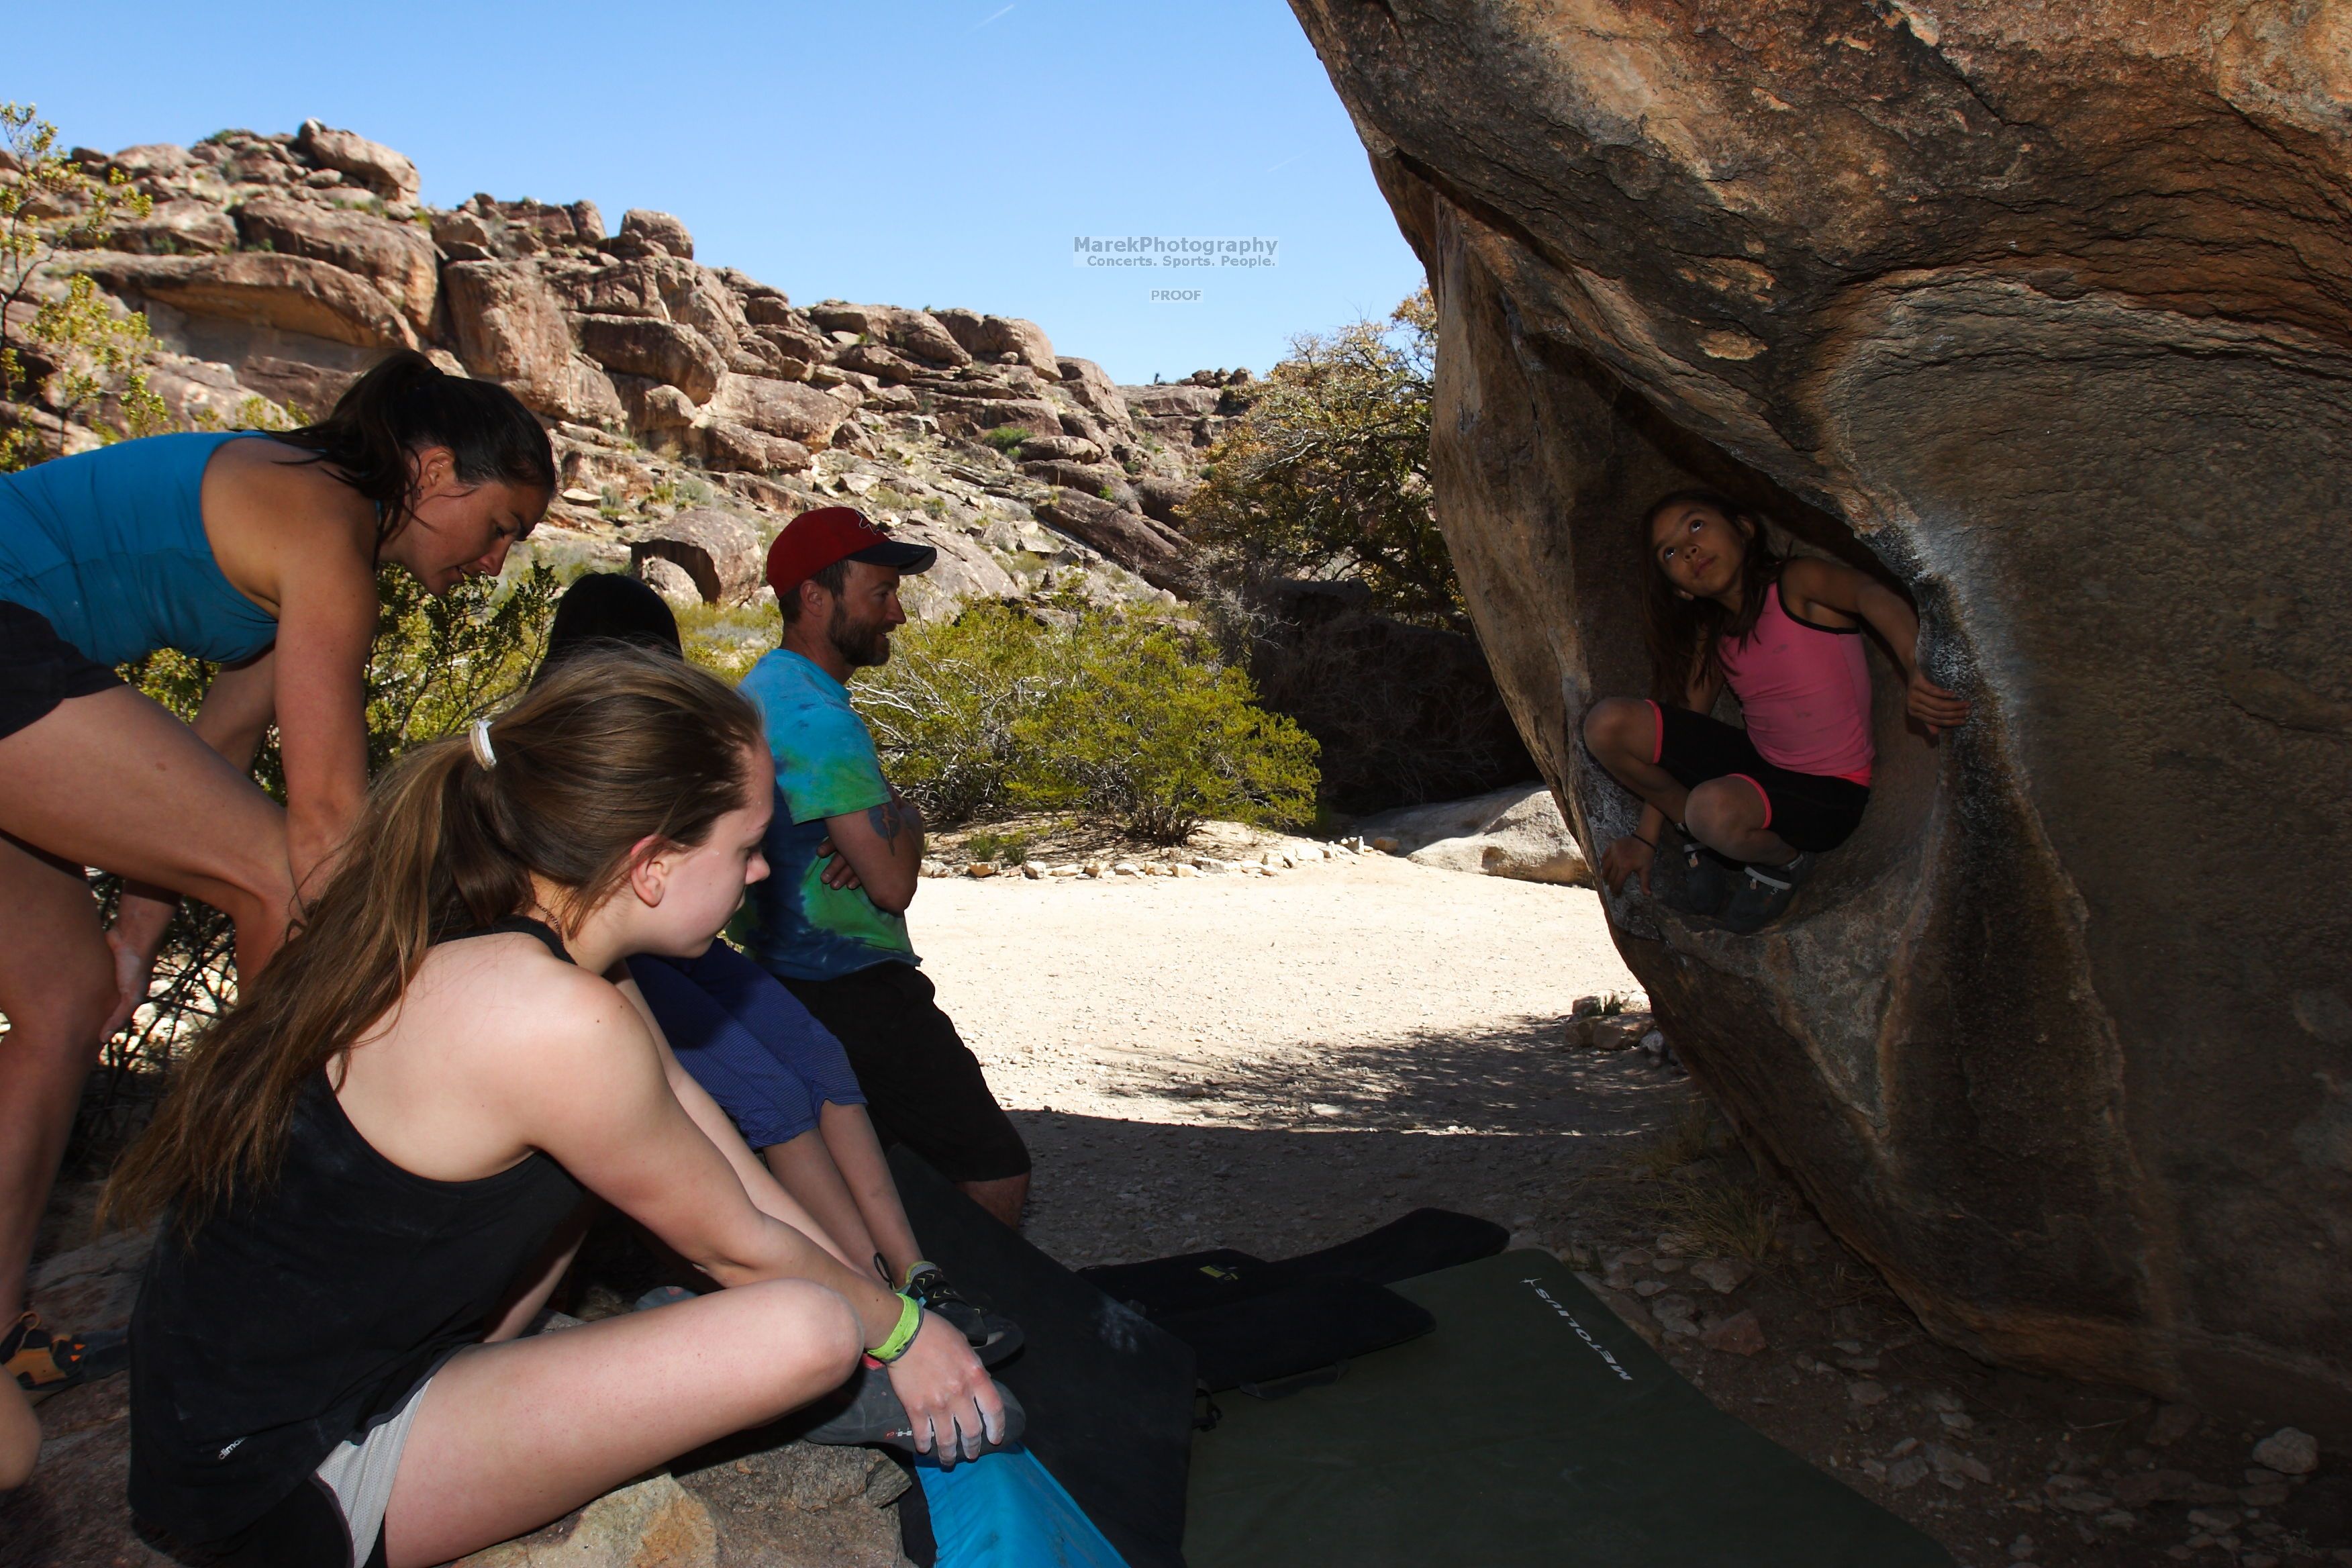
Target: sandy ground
(1276,1064)
(1279,1063)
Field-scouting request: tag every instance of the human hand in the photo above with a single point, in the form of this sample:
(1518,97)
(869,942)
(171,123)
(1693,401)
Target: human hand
(840,874)
(949,1398)
(1933,706)
(1627,857)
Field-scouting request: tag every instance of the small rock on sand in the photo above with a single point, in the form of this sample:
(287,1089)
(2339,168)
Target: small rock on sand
(1738,1334)
(2289,1452)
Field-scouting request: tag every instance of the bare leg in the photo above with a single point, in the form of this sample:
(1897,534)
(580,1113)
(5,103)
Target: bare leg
(113,781)
(20,1435)
(56,987)
(857,1152)
(1728,815)
(1623,735)
(1003,1198)
(805,1169)
(108,780)
(509,1436)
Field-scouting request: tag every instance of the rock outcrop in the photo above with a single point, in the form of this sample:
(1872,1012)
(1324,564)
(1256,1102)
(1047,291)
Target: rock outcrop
(2044,315)
(1516,832)
(275,270)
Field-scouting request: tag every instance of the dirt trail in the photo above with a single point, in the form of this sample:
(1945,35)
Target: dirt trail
(1277,1063)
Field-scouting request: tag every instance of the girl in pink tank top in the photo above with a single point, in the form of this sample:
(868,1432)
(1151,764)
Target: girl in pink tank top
(1753,808)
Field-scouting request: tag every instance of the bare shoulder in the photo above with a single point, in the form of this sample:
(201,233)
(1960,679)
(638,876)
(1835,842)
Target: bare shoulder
(528,1015)
(1809,583)
(272,514)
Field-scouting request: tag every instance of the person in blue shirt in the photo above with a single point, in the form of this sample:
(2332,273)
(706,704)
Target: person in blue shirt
(848,848)
(254,552)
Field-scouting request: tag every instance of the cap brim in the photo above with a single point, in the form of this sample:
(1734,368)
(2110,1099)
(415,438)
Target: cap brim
(910,559)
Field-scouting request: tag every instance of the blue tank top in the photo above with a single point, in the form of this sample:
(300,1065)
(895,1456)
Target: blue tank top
(110,546)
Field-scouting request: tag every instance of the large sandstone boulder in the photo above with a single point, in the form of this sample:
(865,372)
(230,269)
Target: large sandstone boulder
(791,409)
(1516,832)
(2041,314)
(394,257)
(997,336)
(664,351)
(292,293)
(379,168)
(1145,548)
(510,328)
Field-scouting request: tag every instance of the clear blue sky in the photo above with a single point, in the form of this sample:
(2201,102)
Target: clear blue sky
(900,152)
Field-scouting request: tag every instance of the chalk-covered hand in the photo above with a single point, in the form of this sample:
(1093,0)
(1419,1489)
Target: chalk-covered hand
(948,1395)
(1627,857)
(1933,706)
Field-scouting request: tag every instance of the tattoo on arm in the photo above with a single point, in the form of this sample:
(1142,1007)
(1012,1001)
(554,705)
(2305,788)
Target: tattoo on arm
(886,819)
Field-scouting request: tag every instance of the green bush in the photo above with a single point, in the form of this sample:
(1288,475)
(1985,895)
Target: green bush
(1002,848)
(1007,438)
(1128,722)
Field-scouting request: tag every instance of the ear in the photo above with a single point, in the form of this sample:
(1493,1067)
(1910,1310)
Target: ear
(649,870)
(431,467)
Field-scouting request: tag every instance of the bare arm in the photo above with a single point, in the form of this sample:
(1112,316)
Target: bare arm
(760,1185)
(319,693)
(880,849)
(1854,593)
(234,716)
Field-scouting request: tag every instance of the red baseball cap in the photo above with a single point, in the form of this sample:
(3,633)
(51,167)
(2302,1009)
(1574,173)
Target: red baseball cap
(815,539)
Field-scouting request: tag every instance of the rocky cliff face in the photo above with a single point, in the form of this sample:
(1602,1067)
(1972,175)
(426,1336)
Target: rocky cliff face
(2045,314)
(694,409)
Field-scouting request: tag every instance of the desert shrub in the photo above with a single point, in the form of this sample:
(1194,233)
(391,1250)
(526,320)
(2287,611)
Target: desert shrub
(1130,721)
(1007,438)
(1002,848)
(1145,731)
(437,664)
(1326,472)
(728,640)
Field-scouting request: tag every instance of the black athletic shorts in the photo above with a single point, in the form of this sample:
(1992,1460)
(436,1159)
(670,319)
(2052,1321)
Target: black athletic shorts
(39,670)
(923,1086)
(1809,811)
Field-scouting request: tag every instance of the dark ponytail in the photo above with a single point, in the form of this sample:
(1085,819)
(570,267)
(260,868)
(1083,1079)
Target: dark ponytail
(407,403)
(1686,636)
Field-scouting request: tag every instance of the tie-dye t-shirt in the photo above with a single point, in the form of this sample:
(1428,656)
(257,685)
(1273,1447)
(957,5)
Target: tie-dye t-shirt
(794,925)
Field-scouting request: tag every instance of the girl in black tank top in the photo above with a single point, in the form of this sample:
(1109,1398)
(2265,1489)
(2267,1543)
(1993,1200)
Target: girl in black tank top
(362,1170)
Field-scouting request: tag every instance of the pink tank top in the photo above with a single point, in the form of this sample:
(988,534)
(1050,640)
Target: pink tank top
(1806,692)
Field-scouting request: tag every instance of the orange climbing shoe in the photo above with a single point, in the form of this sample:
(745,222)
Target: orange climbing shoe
(45,1363)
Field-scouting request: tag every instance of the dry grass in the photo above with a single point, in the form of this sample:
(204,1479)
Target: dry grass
(1716,1215)
(1677,1146)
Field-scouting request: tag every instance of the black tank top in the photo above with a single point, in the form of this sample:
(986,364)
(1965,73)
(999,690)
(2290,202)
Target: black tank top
(302,1314)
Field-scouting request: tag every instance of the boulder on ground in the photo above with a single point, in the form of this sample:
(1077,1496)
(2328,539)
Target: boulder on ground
(1898,276)
(722,554)
(673,582)
(1516,832)
(736,448)
(292,293)
(394,257)
(510,328)
(371,163)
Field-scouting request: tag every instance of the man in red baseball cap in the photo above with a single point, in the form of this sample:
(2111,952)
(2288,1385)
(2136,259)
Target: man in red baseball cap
(844,849)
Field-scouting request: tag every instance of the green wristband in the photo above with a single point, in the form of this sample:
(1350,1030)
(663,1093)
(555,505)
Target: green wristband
(910,1319)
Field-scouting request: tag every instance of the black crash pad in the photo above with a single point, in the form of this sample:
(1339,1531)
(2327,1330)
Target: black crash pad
(1533,1427)
(1109,1396)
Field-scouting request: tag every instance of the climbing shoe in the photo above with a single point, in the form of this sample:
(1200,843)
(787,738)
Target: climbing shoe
(1762,893)
(866,1409)
(1709,881)
(992,1335)
(44,1362)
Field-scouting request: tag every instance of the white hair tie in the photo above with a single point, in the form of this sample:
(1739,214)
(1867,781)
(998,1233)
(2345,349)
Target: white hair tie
(479,735)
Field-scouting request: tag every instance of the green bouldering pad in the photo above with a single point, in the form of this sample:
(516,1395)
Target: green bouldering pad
(1532,1428)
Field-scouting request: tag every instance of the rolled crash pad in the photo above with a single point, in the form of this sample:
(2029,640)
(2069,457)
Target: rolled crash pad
(1004,1510)
(1109,1396)
(1533,1427)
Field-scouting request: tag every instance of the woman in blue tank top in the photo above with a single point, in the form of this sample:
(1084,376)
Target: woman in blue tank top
(258,552)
